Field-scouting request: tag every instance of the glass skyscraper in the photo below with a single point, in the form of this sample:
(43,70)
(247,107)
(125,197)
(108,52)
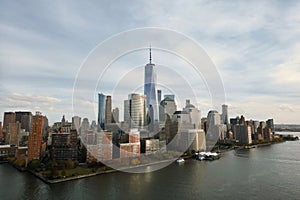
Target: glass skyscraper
(150,90)
(101,110)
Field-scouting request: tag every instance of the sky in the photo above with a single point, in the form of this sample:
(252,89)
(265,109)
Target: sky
(255,46)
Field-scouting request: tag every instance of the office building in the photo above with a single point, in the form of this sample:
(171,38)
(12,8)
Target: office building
(132,148)
(115,115)
(270,125)
(102,149)
(1,132)
(25,119)
(35,137)
(64,146)
(13,133)
(167,107)
(108,114)
(224,116)
(137,110)
(101,110)
(242,133)
(150,90)
(76,123)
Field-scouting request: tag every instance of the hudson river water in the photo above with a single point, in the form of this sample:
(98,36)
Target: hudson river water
(271,172)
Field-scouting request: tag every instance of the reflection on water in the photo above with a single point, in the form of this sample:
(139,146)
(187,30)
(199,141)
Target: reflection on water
(270,172)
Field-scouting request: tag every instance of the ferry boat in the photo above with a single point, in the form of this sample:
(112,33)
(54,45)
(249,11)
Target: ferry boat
(180,160)
(208,156)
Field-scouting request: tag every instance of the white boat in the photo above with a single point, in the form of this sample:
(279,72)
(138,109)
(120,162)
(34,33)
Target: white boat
(208,156)
(180,160)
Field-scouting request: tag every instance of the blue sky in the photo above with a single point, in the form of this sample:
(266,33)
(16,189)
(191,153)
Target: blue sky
(255,46)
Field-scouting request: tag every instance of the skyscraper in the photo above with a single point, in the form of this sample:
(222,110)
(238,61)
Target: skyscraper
(76,123)
(224,115)
(150,89)
(108,116)
(25,119)
(115,115)
(159,96)
(137,110)
(35,137)
(101,110)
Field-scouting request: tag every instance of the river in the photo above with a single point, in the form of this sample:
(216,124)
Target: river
(270,172)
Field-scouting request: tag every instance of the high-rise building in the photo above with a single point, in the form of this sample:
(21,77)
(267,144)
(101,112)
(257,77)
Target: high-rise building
(9,117)
(150,89)
(214,129)
(64,146)
(224,115)
(167,107)
(158,96)
(115,115)
(195,114)
(13,133)
(270,125)
(25,119)
(85,126)
(108,115)
(137,110)
(35,137)
(1,132)
(243,133)
(101,110)
(76,123)
(102,149)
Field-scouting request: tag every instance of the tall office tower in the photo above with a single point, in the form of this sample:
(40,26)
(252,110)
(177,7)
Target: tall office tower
(150,89)
(159,96)
(137,110)
(270,124)
(108,116)
(126,114)
(35,137)
(224,115)
(13,133)
(243,133)
(214,129)
(1,132)
(76,123)
(213,118)
(9,117)
(85,126)
(115,115)
(167,107)
(195,114)
(101,110)
(25,119)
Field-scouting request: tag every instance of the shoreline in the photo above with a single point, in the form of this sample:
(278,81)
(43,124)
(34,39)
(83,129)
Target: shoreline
(48,181)
(60,180)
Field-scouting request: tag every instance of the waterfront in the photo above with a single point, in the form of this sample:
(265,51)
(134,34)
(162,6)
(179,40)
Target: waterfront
(270,172)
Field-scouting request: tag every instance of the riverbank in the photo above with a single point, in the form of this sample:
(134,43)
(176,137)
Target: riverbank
(60,180)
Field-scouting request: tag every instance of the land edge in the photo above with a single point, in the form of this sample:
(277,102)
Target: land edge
(123,169)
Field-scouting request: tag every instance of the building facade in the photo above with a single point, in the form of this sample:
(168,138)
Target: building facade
(35,137)
(150,89)
(101,110)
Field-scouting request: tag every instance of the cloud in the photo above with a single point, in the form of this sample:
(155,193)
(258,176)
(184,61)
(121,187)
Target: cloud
(254,44)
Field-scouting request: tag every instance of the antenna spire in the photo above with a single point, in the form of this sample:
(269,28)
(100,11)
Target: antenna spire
(150,55)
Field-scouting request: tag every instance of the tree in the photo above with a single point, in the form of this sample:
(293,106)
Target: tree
(34,164)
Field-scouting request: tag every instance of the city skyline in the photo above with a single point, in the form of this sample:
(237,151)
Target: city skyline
(254,46)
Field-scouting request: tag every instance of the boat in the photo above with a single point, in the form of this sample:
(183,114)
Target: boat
(208,156)
(180,160)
